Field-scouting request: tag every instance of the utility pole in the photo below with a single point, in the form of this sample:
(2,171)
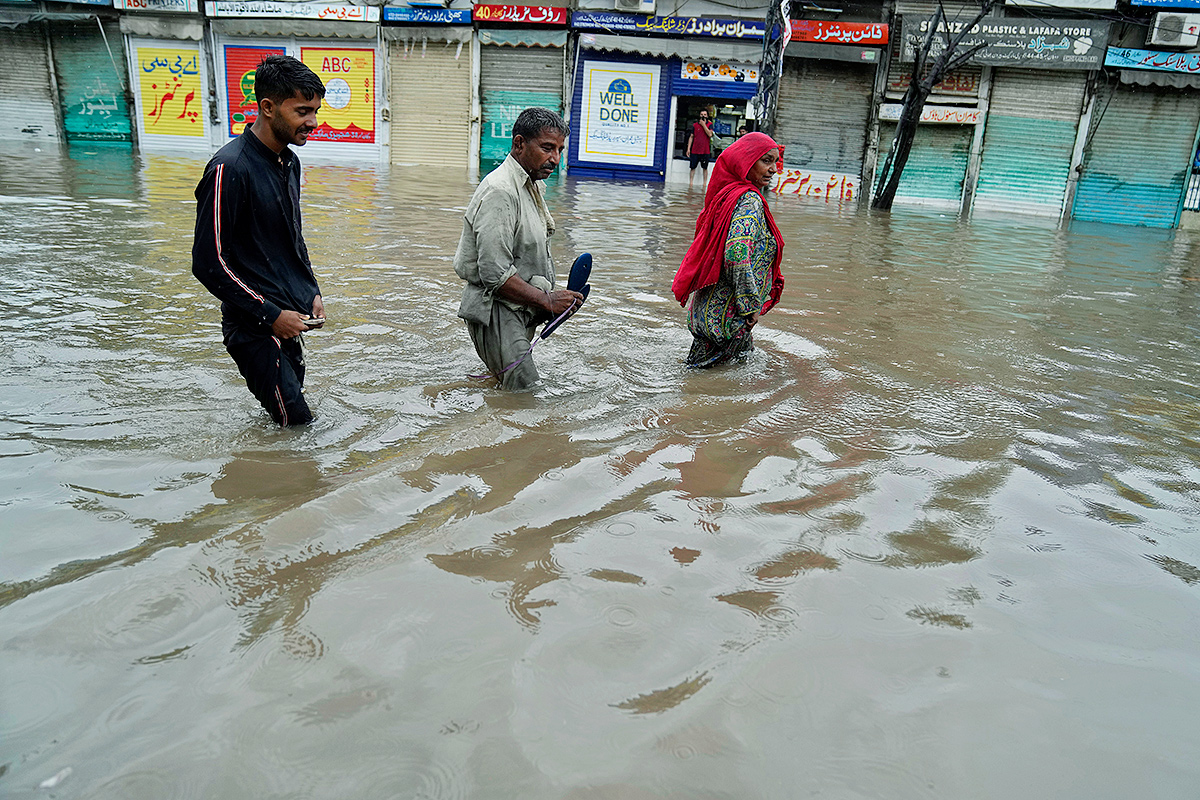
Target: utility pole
(919,89)
(775,38)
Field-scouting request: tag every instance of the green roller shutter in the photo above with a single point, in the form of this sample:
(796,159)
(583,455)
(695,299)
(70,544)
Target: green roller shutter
(1032,119)
(936,164)
(512,78)
(91,83)
(1136,162)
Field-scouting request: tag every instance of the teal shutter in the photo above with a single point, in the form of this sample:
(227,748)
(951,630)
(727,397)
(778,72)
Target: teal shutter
(1136,164)
(1032,120)
(936,164)
(91,85)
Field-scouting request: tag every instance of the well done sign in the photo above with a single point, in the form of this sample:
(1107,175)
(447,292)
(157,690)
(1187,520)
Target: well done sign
(620,112)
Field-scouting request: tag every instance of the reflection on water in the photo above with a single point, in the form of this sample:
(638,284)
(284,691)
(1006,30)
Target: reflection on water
(934,539)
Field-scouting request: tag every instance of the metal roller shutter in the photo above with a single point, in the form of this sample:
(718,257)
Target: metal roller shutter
(1136,163)
(431,103)
(26,102)
(936,164)
(91,82)
(1032,119)
(513,78)
(925,8)
(824,110)
(521,69)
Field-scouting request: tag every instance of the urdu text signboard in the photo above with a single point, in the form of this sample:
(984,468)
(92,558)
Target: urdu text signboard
(265,8)
(427,16)
(680,26)
(944,115)
(827,32)
(348,111)
(530,15)
(1129,58)
(619,118)
(169,95)
(1016,42)
(240,63)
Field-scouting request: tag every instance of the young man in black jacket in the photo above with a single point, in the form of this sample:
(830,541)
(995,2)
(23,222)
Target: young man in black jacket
(248,249)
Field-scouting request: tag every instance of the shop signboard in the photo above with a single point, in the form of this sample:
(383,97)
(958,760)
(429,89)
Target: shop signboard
(943,115)
(348,112)
(828,32)
(265,8)
(619,114)
(1016,42)
(93,2)
(1128,58)
(159,6)
(240,63)
(607,22)
(1168,3)
(427,16)
(528,15)
(954,84)
(718,71)
(170,100)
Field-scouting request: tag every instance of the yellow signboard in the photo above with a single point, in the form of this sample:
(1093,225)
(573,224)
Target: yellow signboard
(170,100)
(348,111)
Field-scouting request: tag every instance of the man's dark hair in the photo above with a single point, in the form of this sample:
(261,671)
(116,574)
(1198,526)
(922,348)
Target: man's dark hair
(532,121)
(280,77)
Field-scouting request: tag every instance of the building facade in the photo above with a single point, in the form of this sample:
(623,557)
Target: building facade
(1060,113)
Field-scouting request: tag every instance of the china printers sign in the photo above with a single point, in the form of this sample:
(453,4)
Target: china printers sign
(620,112)
(1016,42)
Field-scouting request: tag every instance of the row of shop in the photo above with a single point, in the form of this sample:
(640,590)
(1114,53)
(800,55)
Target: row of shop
(412,85)
(1049,119)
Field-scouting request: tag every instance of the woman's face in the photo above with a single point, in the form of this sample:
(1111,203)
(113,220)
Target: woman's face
(762,172)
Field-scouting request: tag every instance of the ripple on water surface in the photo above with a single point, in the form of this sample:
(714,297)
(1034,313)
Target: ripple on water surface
(960,451)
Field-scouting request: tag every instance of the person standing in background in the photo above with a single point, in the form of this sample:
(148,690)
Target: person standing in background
(699,146)
(248,249)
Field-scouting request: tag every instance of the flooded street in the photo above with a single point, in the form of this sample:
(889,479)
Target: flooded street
(936,538)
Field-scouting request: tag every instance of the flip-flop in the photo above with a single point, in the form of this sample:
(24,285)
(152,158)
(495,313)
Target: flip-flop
(577,281)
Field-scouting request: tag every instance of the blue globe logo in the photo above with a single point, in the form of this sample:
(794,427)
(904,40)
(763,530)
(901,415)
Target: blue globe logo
(620,86)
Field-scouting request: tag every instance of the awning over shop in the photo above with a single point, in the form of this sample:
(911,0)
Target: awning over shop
(426,33)
(156,27)
(1145,77)
(673,48)
(12,18)
(282,26)
(527,38)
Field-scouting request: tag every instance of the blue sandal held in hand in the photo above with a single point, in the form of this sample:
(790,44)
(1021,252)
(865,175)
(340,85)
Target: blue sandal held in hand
(577,281)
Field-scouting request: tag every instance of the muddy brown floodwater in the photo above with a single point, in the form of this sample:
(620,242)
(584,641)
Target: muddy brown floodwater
(937,538)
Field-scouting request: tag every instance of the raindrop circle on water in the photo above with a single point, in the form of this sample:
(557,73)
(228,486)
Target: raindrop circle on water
(620,616)
(620,529)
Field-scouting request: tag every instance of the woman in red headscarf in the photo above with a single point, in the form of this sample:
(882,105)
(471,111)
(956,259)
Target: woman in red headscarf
(731,272)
